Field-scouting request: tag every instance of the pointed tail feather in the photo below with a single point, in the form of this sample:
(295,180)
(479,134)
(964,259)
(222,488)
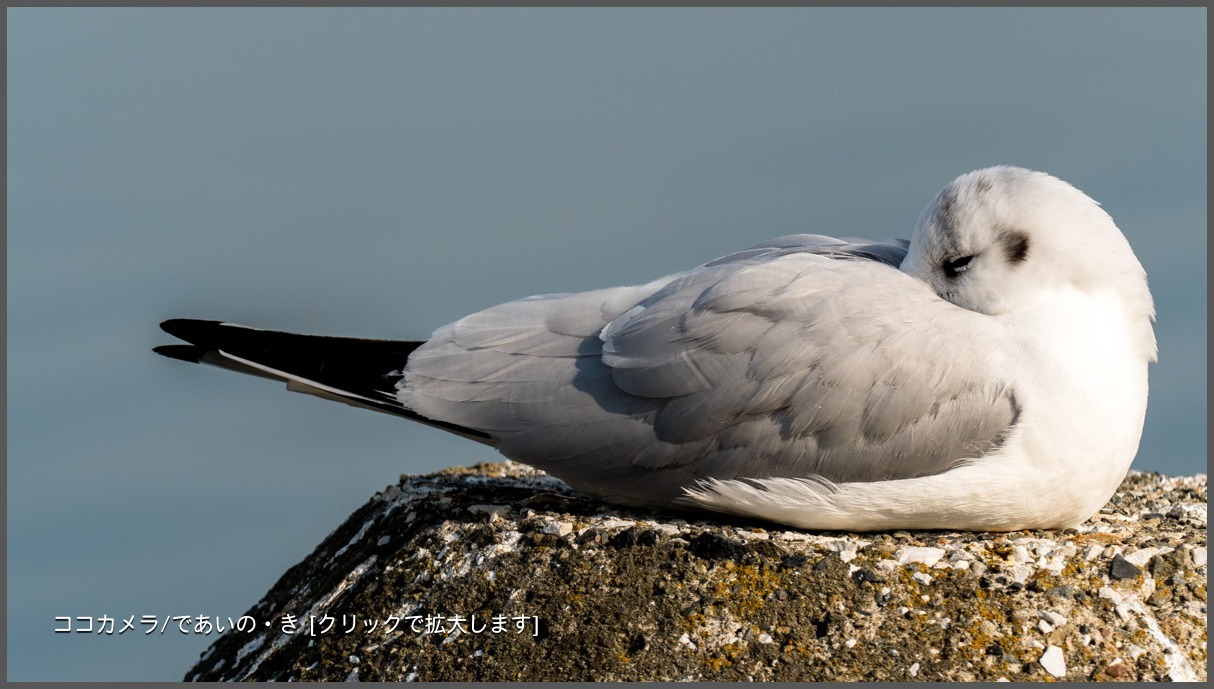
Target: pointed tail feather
(359,372)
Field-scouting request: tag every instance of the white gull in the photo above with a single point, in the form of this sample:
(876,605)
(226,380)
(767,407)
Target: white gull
(989,374)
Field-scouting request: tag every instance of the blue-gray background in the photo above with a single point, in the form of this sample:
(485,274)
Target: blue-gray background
(382,172)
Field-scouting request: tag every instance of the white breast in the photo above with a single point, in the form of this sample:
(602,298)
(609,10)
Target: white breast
(1083,394)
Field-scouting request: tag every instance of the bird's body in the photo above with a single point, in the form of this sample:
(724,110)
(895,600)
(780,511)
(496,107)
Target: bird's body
(991,374)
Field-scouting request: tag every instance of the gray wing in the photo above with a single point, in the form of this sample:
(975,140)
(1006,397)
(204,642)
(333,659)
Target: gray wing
(803,357)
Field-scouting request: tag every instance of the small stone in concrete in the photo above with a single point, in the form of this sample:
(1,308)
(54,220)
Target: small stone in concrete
(560,529)
(1140,557)
(1122,568)
(1053,662)
(1123,611)
(1199,557)
(1117,669)
(1052,617)
(910,553)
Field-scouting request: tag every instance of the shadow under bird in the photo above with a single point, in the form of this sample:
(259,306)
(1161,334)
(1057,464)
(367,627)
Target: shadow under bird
(989,374)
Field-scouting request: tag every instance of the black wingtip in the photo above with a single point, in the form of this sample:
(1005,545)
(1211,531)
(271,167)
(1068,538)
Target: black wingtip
(190,329)
(363,371)
(188,353)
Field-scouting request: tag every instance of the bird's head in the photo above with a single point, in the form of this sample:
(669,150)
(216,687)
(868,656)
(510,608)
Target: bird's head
(1000,239)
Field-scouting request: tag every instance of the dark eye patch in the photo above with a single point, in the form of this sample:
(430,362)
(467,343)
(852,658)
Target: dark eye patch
(1015,245)
(956,266)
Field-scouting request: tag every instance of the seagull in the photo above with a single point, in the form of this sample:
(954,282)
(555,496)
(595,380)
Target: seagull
(989,374)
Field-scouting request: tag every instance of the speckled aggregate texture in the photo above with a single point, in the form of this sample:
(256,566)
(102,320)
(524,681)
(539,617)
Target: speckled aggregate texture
(433,579)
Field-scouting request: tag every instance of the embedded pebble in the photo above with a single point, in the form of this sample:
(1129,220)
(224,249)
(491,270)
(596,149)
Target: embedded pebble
(1123,611)
(615,523)
(667,529)
(1053,662)
(1141,556)
(910,553)
(1198,556)
(560,529)
(1021,573)
(1116,669)
(846,548)
(1052,617)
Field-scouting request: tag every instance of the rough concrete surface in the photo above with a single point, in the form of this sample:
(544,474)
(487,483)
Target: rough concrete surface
(498,572)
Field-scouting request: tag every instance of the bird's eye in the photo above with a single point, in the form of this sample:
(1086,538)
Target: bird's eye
(957,266)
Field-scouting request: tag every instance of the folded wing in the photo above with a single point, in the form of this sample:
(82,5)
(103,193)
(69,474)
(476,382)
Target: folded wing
(802,357)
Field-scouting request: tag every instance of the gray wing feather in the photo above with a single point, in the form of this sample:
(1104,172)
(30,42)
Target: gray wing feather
(804,356)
